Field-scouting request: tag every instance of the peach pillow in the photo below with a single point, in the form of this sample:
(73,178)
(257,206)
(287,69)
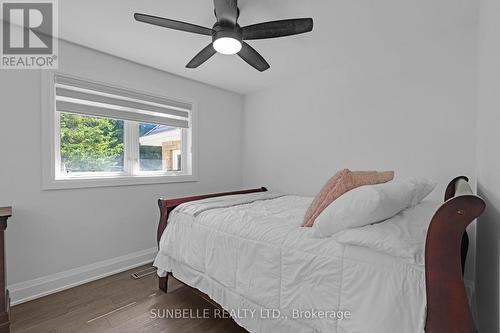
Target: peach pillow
(342,182)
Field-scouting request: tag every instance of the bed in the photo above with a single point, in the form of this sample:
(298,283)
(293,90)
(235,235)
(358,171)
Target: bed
(246,252)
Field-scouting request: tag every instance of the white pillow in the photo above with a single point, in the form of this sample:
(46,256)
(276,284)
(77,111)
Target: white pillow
(370,204)
(423,187)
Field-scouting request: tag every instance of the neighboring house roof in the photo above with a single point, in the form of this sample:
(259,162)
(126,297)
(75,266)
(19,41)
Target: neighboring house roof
(159,129)
(159,134)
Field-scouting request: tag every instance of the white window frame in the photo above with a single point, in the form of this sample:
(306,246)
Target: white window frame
(175,159)
(50,149)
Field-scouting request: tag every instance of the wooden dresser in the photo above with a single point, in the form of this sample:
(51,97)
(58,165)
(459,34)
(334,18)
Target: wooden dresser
(5,213)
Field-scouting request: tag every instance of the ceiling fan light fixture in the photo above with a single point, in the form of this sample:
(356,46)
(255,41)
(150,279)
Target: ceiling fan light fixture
(228,37)
(227,45)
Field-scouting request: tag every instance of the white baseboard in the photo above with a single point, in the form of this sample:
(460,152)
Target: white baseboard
(46,285)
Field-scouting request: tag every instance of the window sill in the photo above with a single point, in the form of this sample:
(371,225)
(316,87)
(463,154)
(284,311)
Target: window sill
(62,184)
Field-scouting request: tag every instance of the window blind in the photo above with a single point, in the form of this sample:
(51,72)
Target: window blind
(86,98)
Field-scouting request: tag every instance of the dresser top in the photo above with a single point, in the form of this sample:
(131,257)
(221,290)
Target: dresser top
(5,211)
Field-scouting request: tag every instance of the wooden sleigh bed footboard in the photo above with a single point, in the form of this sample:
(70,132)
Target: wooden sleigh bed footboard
(166,206)
(446,248)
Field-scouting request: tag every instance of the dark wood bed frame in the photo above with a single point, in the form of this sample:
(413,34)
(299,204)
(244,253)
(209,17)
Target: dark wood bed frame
(446,248)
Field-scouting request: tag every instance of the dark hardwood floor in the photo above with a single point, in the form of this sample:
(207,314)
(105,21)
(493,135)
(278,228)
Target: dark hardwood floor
(118,304)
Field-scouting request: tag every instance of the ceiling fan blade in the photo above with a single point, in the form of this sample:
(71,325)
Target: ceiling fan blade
(276,29)
(173,24)
(253,58)
(226,11)
(202,56)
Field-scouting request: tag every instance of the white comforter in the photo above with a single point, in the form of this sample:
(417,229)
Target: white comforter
(249,253)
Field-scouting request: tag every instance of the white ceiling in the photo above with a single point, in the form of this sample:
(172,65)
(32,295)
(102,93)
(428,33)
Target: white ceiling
(108,26)
(344,31)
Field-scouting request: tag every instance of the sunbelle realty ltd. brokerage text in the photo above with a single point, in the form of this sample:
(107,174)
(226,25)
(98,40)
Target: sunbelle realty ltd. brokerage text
(249,314)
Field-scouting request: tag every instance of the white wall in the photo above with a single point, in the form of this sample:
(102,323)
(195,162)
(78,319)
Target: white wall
(56,231)
(406,103)
(488,143)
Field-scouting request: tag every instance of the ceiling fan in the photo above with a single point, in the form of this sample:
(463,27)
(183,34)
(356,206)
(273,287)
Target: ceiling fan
(228,37)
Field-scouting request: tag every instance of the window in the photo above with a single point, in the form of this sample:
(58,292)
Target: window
(90,145)
(160,148)
(116,135)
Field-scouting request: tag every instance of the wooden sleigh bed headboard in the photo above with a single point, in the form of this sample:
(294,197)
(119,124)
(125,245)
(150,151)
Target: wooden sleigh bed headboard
(446,247)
